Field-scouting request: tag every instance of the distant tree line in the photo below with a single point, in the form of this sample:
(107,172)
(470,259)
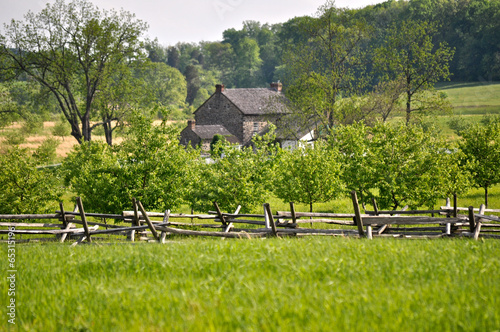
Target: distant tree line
(253,56)
(94,69)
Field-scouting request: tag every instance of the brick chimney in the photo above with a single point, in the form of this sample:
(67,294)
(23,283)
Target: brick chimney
(191,124)
(219,88)
(276,86)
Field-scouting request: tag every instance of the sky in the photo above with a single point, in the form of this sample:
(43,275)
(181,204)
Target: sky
(191,21)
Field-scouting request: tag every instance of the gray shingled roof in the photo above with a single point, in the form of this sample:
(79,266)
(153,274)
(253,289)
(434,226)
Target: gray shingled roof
(256,100)
(208,132)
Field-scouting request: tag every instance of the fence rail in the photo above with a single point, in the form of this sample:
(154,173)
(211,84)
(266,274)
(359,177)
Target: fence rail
(398,223)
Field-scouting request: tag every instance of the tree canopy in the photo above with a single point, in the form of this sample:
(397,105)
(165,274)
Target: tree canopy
(409,56)
(70,48)
(481,154)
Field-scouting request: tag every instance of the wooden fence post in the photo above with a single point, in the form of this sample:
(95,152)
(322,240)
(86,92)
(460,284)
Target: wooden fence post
(455,206)
(136,221)
(271,218)
(165,220)
(148,221)
(292,212)
(230,225)
(267,224)
(478,224)
(375,206)
(66,224)
(357,212)
(219,213)
(455,214)
(472,222)
(84,219)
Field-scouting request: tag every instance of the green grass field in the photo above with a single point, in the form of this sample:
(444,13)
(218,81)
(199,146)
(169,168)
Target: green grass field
(470,101)
(313,284)
(470,96)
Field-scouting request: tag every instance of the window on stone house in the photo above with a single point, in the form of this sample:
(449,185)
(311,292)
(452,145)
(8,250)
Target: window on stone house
(255,127)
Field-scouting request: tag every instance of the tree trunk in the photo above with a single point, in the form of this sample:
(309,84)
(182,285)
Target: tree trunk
(486,196)
(108,133)
(86,130)
(75,131)
(408,107)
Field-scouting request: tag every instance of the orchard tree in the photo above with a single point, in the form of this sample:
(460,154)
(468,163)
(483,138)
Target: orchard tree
(481,148)
(238,176)
(25,189)
(398,164)
(409,55)
(310,174)
(352,143)
(67,48)
(149,165)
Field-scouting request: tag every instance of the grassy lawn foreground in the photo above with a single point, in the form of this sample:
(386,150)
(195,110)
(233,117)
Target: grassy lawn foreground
(259,285)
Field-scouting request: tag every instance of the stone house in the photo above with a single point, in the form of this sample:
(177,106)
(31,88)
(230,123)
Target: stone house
(237,114)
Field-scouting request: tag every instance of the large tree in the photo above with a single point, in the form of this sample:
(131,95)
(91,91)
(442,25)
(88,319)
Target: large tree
(328,65)
(409,55)
(67,48)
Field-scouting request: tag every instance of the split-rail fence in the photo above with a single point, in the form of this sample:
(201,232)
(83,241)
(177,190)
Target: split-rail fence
(448,221)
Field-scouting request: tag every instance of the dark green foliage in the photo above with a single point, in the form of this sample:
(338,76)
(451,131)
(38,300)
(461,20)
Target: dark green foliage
(193,83)
(173,57)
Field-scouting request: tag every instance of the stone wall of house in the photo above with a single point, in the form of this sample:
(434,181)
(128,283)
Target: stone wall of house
(252,124)
(218,110)
(205,145)
(187,135)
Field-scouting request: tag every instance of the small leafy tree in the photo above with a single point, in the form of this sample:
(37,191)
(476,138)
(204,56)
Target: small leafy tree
(216,148)
(149,165)
(47,151)
(398,164)
(25,189)
(61,129)
(481,154)
(352,143)
(239,176)
(308,175)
